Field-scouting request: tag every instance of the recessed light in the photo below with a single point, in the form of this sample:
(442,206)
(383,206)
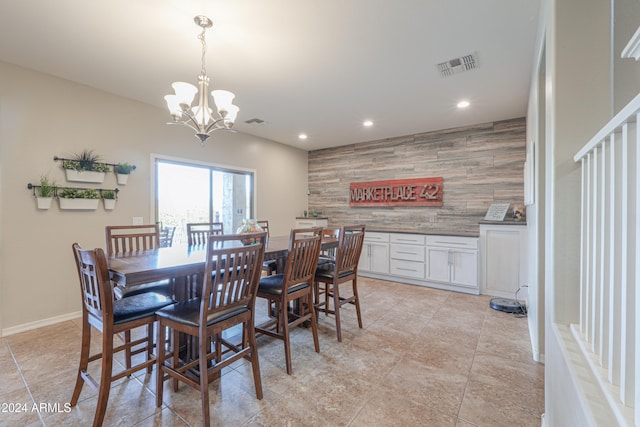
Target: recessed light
(302,136)
(463,104)
(367,123)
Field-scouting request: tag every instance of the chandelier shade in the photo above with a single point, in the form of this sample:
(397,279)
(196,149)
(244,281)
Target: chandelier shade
(200,117)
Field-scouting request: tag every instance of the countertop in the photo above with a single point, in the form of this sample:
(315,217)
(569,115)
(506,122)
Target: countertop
(507,221)
(425,233)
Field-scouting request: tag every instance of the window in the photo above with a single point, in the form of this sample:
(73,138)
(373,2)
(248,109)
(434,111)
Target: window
(193,192)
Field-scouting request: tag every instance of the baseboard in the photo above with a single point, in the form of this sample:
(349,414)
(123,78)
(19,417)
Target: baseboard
(39,324)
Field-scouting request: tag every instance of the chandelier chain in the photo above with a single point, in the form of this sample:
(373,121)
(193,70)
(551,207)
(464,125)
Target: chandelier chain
(203,71)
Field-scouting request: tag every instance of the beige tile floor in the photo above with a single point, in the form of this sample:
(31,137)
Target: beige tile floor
(425,357)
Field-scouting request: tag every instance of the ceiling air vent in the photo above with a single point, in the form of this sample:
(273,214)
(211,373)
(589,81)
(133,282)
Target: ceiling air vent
(458,65)
(254,120)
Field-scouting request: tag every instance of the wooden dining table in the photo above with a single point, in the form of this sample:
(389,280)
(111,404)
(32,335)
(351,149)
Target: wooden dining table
(181,262)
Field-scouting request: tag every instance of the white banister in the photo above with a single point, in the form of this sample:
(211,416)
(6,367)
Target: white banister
(610,261)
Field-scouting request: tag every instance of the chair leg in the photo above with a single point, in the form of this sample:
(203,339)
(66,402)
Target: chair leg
(336,309)
(105,378)
(160,351)
(127,351)
(314,326)
(356,302)
(176,356)
(150,345)
(204,380)
(84,360)
(285,333)
(255,363)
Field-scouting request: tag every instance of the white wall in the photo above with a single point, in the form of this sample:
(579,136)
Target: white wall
(577,102)
(42,116)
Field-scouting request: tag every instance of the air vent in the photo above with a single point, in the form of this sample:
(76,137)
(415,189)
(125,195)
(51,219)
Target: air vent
(254,120)
(458,65)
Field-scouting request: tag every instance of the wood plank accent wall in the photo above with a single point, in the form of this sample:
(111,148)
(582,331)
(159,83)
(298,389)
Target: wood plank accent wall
(481,164)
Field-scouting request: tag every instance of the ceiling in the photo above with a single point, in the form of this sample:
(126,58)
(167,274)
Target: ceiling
(318,67)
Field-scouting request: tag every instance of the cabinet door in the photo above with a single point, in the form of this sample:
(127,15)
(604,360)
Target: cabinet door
(365,258)
(379,258)
(438,267)
(464,267)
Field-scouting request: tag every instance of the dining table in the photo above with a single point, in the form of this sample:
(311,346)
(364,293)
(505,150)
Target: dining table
(181,263)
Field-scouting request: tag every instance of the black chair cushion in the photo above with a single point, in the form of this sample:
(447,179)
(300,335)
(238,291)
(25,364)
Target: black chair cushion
(273,285)
(325,271)
(326,260)
(188,313)
(162,287)
(138,306)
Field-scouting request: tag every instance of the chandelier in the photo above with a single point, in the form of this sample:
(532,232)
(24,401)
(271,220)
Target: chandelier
(200,117)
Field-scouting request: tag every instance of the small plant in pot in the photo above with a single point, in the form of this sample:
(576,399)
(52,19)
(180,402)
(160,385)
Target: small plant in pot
(85,167)
(123,170)
(45,192)
(109,199)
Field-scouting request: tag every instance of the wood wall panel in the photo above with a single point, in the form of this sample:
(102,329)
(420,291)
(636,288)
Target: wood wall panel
(480,165)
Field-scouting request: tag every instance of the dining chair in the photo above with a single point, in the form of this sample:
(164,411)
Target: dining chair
(329,276)
(231,276)
(110,317)
(197,232)
(294,285)
(269,266)
(166,236)
(329,254)
(125,239)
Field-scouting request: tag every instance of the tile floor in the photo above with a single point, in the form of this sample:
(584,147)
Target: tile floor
(424,358)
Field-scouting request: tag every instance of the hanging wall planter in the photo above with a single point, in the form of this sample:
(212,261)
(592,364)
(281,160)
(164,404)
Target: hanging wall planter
(85,167)
(71,198)
(44,192)
(109,199)
(109,204)
(85,176)
(123,170)
(44,202)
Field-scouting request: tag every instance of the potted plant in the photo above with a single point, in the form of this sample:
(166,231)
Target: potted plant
(123,170)
(109,199)
(85,167)
(74,198)
(45,192)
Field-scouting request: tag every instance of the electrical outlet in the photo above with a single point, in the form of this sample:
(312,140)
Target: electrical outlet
(138,220)
(432,218)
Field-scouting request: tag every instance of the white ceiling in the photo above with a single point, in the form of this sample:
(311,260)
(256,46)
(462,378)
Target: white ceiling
(318,67)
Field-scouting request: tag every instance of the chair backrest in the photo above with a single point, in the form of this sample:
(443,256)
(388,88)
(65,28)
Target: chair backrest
(197,233)
(232,272)
(95,286)
(302,259)
(166,236)
(264,225)
(330,232)
(131,238)
(349,247)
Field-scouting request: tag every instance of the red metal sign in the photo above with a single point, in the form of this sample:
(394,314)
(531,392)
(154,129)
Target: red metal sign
(397,192)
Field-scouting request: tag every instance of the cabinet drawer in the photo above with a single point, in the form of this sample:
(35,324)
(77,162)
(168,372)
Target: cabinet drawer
(399,267)
(453,241)
(408,239)
(373,236)
(407,252)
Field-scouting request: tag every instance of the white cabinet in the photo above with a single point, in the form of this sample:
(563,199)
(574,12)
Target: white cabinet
(504,259)
(407,256)
(444,262)
(311,222)
(374,257)
(453,260)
